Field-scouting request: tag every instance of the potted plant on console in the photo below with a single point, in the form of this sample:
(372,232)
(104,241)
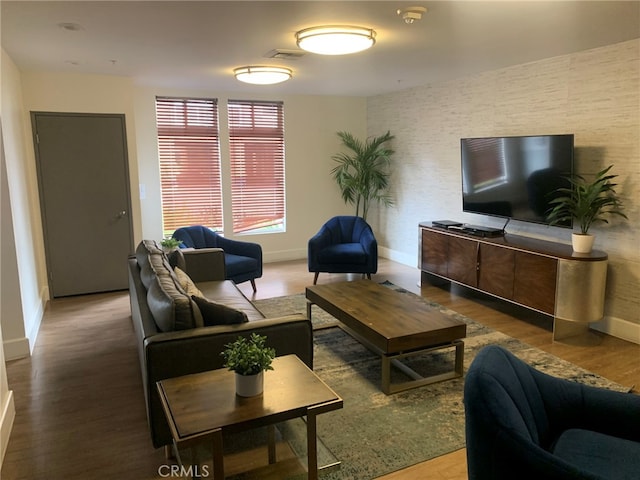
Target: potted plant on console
(587,203)
(249,358)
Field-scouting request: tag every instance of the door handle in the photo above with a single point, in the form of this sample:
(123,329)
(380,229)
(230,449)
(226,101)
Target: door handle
(122,214)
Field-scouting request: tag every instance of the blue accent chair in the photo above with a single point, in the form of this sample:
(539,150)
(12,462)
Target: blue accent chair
(345,244)
(524,424)
(243,260)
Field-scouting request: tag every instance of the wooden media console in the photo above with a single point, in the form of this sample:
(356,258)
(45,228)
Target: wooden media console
(544,276)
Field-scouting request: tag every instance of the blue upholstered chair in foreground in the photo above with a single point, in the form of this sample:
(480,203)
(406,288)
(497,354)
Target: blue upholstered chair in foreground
(524,424)
(243,260)
(345,244)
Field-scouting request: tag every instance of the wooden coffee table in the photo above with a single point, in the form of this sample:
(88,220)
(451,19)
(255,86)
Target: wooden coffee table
(394,325)
(203,407)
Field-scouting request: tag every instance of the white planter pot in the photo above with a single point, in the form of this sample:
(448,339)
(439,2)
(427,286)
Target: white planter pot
(249,385)
(582,243)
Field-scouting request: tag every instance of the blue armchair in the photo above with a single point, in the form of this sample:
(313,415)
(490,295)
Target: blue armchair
(243,260)
(524,424)
(345,244)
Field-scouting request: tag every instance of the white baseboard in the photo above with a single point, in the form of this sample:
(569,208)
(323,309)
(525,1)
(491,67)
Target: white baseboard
(23,347)
(400,257)
(297,254)
(618,327)
(6,424)
(36,320)
(16,348)
(284,255)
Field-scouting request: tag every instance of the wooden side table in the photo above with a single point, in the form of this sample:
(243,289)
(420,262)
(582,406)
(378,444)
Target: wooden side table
(203,407)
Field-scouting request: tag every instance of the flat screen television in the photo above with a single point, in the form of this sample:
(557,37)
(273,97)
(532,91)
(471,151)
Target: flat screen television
(515,177)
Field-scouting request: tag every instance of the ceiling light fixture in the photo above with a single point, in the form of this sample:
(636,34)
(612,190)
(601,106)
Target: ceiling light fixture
(335,39)
(262,75)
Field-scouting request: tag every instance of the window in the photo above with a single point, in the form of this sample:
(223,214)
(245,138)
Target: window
(189,153)
(256,146)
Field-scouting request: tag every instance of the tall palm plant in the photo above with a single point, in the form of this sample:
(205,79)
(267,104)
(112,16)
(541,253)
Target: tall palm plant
(363,174)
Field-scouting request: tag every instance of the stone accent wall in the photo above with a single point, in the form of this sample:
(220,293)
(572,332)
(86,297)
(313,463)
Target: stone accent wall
(593,94)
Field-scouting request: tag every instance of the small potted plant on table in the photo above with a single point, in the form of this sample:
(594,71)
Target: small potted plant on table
(587,203)
(249,358)
(169,244)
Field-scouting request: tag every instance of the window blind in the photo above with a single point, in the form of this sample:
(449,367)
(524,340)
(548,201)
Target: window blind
(491,167)
(256,146)
(189,153)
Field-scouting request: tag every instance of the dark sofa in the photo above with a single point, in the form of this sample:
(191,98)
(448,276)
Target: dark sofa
(172,339)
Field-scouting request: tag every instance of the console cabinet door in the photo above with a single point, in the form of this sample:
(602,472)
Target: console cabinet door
(463,261)
(535,281)
(435,252)
(497,266)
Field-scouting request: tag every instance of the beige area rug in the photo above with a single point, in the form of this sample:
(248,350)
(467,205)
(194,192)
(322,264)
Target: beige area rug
(375,434)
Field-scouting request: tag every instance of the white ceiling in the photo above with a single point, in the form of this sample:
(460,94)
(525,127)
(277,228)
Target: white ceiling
(197,44)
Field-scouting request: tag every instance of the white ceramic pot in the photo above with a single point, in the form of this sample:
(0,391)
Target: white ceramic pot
(249,385)
(582,243)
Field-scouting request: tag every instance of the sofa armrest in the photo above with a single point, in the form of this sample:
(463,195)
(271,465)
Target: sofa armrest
(204,264)
(173,354)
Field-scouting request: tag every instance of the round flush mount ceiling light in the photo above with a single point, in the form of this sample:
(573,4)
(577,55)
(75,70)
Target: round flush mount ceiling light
(262,75)
(335,39)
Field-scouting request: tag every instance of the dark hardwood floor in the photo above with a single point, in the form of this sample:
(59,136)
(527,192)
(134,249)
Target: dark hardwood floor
(79,403)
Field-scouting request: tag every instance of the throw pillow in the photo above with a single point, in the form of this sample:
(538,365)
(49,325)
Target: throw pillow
(218,314)
(186,283)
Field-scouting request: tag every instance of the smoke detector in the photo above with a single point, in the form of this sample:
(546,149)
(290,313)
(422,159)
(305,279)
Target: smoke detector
(411,14)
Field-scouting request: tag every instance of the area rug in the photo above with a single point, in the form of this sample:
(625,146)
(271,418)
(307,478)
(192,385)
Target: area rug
(375,434)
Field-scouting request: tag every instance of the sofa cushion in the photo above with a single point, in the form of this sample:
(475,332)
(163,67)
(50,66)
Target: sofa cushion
(144,249)
(227,293)
(599,454)
(218,314)
(169,312)
(186,283)
(172,308)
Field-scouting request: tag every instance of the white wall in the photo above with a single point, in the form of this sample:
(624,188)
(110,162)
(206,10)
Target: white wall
(594,94)
(311,123)
(310,126)
(7,407)
(23,272)
(312,196)
(50,92)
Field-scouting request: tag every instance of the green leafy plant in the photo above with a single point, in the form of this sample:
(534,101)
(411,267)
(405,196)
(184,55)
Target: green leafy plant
(363,175)
(170,242)
(588,203)
(248,356)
